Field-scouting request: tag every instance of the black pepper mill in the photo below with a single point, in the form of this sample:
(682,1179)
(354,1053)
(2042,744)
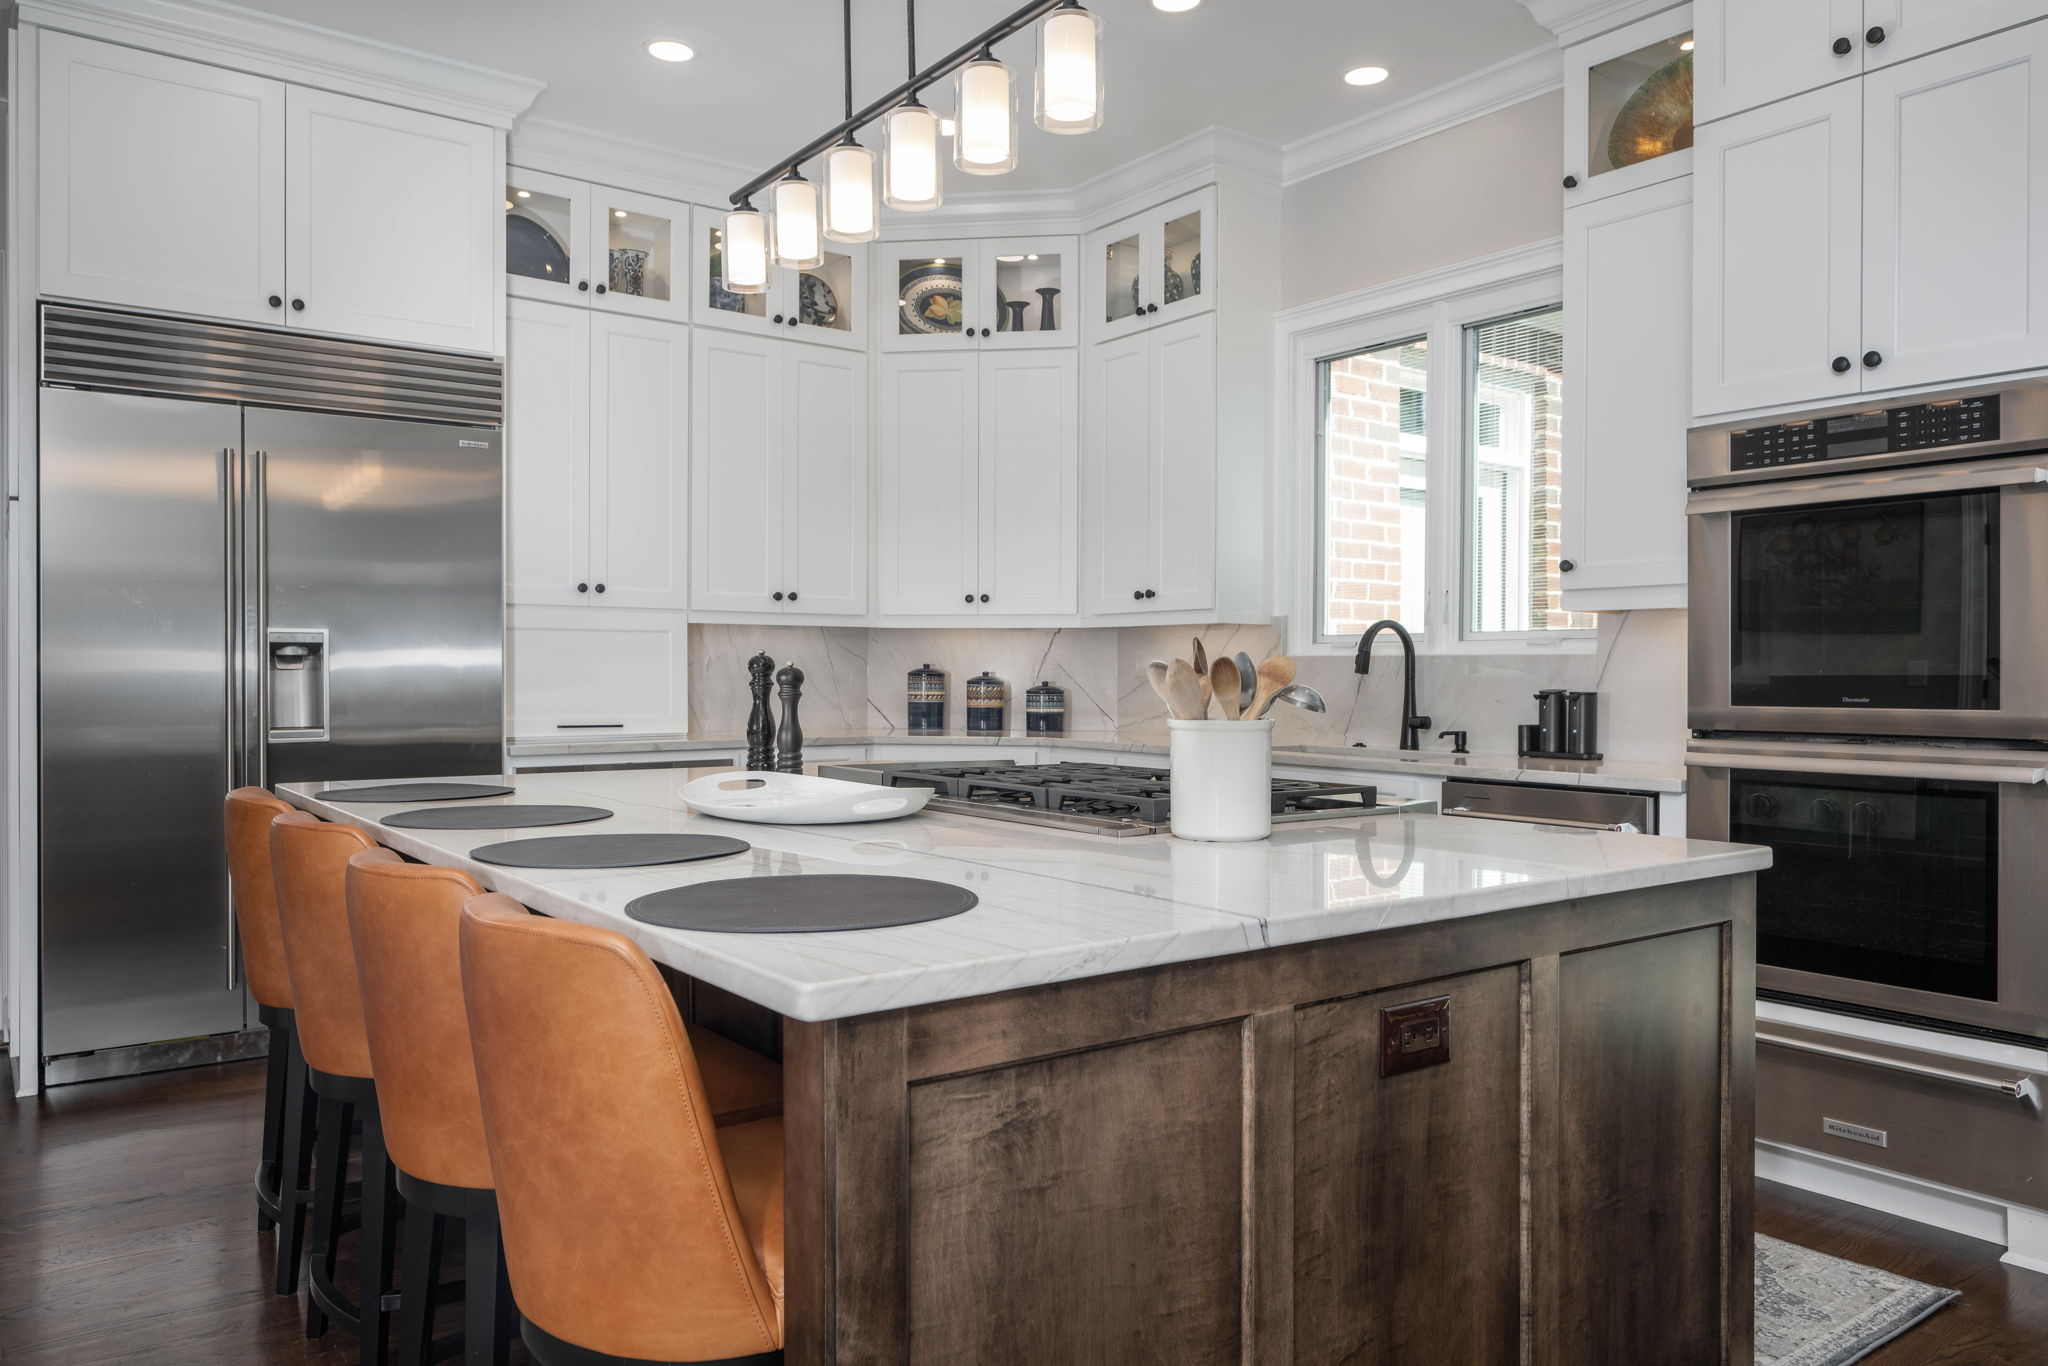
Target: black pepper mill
(760,723)
(789,740)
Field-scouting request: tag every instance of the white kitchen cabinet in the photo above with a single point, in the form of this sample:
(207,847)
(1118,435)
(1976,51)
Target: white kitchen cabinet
(1150,485)
(1778,224)
(571,242)
(173,185)
(597,420)
(778,477)
(1752,52)
(161,182)
(387,223)
(549,252)
(1607,149)
(1955,196)
(826,304)
(977,294)
(1628,340)
(571,672)
(978,484)
(1149,269)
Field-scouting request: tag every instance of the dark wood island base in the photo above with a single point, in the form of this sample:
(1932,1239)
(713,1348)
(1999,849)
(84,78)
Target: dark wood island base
(1259,1159)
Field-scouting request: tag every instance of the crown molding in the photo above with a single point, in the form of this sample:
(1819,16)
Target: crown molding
(228,35)
(625,163)
(1574,21)
(1533,73)
(1514,265)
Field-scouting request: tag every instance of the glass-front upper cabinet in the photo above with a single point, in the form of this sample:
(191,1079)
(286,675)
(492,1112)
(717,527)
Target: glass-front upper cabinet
(1005,292)
(822,304)
(1628,107)
(567,241)
(1027,288)
(1151,267)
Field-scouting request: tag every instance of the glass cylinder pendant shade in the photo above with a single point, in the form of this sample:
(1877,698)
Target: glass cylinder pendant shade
(798,242)
(1069,86)
(985,131)
(745,251)
(850,211)
(910,160)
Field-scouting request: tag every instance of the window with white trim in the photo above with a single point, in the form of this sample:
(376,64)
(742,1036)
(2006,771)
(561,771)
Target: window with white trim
(1438,477)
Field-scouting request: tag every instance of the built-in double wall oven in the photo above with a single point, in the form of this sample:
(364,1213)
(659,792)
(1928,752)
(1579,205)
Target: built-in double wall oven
(1869,698)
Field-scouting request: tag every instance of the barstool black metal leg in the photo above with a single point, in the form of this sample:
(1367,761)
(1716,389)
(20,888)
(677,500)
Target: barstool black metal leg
(330,1179)
(295,1170)
(270,1190)
(489,1319)
(417,1283)
(381,1207)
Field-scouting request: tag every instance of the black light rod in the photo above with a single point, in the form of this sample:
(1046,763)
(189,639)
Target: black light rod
(945,66)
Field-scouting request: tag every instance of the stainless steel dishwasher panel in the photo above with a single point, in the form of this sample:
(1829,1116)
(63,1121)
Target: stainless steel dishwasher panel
(1576,807)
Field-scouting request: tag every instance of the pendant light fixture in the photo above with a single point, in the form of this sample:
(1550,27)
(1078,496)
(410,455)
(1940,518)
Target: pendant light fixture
(1069,87)
(985,114)
(744,252)
(910,159)
(851,214)
(798,244)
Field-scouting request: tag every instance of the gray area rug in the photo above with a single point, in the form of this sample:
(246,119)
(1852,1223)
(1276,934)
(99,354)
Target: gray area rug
(1817,1310)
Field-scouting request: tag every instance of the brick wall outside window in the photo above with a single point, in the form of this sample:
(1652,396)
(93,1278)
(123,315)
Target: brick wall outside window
(1363,543)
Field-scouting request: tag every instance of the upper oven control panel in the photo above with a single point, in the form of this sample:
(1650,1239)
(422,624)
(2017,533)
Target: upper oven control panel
(1916,427)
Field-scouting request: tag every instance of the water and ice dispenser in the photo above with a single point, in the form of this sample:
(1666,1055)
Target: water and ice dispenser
(296,676)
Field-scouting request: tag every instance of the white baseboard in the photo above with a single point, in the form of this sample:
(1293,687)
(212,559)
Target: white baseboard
(2022,1232)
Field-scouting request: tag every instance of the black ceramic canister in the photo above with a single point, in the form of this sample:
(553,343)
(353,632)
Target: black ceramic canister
(1045,709)
(987,697)
(927,700)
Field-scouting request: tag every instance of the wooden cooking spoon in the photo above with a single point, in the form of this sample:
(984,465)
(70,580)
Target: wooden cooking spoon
(1202,673)
(1183,691)
(1223,683)
(1274,674)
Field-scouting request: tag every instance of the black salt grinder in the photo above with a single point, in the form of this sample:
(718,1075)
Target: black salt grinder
(760,724)
(789,740)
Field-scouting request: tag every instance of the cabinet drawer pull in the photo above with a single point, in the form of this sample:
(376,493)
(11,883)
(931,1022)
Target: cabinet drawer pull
(2019,1088)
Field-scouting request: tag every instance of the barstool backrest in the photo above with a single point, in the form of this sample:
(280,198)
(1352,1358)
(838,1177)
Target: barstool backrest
(406,919)
(250,810)
(621,1234)
(309,860)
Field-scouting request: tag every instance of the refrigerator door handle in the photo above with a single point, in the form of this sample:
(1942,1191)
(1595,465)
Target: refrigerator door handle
(257,572)
(231,615)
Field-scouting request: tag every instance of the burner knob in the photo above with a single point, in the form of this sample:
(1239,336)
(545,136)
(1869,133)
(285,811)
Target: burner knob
(1827,811)
(1868,817)
(1762,805)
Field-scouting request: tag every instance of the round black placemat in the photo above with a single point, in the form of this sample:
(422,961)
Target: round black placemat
(801,904)
(411,792)
(493,817)
(607,851)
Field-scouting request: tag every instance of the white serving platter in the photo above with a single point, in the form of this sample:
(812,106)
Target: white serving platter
(797,799)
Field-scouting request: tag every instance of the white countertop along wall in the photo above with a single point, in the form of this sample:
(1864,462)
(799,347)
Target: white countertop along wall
(1053,905)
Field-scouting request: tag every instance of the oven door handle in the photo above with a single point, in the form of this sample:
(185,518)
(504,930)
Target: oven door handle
(2019,1088)
(1867,768)
(1760,498)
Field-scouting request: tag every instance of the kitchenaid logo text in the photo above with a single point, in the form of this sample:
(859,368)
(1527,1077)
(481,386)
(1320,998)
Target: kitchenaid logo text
(1863,700)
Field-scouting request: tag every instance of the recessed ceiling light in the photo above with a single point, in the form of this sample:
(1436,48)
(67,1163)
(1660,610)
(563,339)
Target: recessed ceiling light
(618,213)
(1175,6)
(524,194)
(669,50)
(1685,46)
(1365,75)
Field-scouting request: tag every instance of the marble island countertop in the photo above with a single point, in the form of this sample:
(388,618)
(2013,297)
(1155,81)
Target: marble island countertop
(1053,905)
(1621,775)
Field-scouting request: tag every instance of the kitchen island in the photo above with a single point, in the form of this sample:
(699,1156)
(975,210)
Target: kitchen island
(1385,1089)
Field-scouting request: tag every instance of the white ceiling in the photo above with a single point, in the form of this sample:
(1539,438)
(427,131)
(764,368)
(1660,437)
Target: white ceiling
(767,77)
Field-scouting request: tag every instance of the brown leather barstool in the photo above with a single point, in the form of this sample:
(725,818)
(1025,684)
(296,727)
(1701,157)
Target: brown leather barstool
(635,1231)
(309,860)
(282,1170)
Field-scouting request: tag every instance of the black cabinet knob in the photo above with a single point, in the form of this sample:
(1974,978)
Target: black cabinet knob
(792,320)
(1843,47)
(600,588)
(792,597)
(1567,566)
(276,302)
(984,331)
(778,320)
(583,285)
(1151,308)
(583,588)
(1571,182)
(298,305)
(600,289)
(1842,364)
(1138,595)
(984,597)
(1150,594)
(968,598)
(778,597)
(1872,359)
(1875,36)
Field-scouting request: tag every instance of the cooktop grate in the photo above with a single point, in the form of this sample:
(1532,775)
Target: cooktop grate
(1106,790)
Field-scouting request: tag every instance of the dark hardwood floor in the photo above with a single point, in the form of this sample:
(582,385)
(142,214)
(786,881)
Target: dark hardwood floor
(127,1234)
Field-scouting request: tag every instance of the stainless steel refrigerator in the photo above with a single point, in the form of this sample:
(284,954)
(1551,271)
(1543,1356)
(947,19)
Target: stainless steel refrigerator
(234,594)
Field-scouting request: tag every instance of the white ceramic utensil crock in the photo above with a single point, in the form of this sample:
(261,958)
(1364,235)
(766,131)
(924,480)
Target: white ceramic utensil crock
(1222,779)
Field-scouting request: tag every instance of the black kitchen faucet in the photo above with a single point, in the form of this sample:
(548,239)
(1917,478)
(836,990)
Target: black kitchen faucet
(1412,725)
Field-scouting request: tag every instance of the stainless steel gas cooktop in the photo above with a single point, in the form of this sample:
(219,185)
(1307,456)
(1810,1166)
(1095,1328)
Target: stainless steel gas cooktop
(1103,799)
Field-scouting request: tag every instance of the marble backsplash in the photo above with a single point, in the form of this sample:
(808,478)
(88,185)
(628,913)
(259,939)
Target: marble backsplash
(854,679)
